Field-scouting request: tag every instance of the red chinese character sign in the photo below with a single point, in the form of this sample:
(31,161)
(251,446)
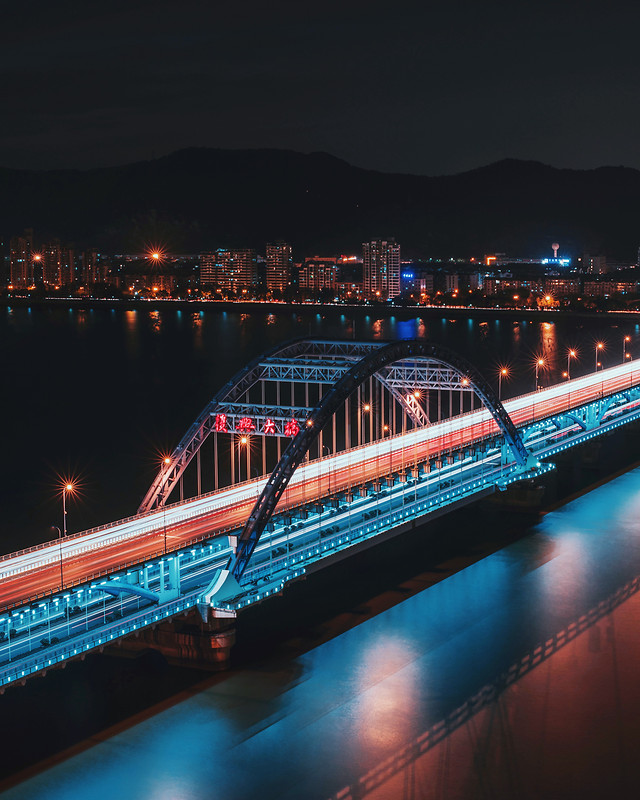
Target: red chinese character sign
(291,428)
(269,426)
(220,425)
(245,425)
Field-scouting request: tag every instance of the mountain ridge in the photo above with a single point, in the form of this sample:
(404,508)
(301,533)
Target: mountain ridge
(202,198)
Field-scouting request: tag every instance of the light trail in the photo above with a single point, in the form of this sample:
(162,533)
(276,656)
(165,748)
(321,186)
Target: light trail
(35,571)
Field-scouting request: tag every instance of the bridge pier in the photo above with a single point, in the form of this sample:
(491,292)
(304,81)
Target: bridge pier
(186,641)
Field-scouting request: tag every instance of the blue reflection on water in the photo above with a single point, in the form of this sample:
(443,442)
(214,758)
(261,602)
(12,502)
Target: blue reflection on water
(317,722)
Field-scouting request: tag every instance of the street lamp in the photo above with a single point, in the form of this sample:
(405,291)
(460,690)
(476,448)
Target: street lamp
(68,488)
(570,354)
(625,355)
(504,373)
(599,347)
(539,363)
(366,409)
(56,528)
(326,447)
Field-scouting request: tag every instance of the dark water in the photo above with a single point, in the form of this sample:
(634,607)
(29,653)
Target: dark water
(361,699)
(368,705)
(99,393)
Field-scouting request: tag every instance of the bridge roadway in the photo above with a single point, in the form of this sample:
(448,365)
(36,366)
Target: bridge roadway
(277,555)
(90,554)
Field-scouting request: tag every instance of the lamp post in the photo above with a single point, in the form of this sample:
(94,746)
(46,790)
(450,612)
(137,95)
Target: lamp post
(66,489)
(625,355)
(166,461)
(599,347)
(366,408)
(504,373)
(326,447)
(539,363)
(56,528)
(570,354)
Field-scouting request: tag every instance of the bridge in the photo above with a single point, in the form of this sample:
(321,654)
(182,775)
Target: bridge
(314,450)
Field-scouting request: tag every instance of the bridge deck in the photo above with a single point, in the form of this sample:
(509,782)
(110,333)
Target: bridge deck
(114,546)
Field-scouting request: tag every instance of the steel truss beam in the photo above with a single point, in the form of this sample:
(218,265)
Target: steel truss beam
(234,391)
(429,375)
(298,372)
(260,415)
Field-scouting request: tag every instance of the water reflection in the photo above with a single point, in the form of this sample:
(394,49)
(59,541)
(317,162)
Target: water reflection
(501,665)
(478,755)
(549,346)
(389,689)
(156,321)
(133,338)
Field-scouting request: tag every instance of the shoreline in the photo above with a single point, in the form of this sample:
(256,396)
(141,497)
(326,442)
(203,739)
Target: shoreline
(252,306)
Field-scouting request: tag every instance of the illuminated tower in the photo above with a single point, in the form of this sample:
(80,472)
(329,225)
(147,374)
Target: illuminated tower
(381,269)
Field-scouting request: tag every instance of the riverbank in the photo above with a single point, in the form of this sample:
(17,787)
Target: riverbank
(313,308)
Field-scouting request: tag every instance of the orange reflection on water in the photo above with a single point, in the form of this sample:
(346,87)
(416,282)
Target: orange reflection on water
(549,341)
(384,707)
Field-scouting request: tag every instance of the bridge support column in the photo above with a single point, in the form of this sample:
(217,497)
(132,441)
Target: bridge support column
(505,454)
(202,640)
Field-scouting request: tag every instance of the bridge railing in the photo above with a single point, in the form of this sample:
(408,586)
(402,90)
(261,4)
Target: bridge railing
(16,672)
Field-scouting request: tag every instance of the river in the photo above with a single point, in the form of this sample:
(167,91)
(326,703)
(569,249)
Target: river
(503,668)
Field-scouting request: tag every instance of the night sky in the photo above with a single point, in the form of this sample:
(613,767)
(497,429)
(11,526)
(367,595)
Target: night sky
(407,87)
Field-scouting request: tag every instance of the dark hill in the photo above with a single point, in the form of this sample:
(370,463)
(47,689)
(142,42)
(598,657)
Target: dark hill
(203,198)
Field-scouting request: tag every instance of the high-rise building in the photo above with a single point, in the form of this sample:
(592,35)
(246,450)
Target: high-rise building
(232,270)
(279,264)
(237,270)
(21,259)
(318,273)
(381,269)
(58,264)
(51,263)
(93,269)
(207,269)
(67,266)
(594,264)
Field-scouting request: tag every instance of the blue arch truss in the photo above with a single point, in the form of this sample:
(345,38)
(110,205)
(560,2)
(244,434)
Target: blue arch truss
(363,369)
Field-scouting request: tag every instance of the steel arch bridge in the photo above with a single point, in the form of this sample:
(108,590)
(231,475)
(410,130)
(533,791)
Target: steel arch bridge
(176,560)
(370,365)
(407,371)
